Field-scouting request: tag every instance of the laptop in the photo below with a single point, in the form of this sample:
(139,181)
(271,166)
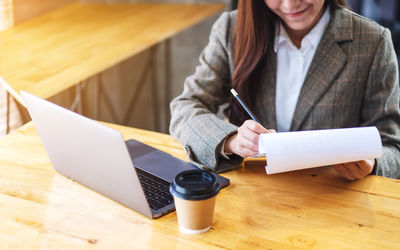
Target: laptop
(131,173)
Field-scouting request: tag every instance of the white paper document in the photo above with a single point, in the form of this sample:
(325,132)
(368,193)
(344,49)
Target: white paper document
(307,149)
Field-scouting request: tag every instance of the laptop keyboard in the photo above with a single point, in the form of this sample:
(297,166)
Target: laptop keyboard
(155,189)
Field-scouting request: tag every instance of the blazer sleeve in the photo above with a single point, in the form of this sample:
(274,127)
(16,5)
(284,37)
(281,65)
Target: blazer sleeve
(381,106)
(194,122)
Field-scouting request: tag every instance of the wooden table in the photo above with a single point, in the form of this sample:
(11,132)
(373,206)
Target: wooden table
(55,51)
(312,208)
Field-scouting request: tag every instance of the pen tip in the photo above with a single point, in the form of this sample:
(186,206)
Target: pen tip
(234,92)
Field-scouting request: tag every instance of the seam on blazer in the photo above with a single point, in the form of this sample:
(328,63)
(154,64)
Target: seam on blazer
(378,44)
(200,137)
(358,63)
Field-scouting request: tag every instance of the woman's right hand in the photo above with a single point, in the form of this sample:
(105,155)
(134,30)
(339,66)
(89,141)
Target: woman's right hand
(245,141)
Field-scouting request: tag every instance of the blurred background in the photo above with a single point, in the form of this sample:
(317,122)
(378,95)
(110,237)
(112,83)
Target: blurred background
(185,50)
(384,12)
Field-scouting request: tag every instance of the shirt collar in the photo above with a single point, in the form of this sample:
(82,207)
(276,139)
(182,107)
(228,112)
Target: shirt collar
(313,37)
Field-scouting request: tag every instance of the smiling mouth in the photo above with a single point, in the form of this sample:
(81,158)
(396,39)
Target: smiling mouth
(296,14)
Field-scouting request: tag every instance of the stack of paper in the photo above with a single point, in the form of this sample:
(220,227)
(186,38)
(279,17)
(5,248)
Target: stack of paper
(307,149)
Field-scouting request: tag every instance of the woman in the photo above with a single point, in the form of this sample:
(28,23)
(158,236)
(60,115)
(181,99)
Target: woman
(299,65)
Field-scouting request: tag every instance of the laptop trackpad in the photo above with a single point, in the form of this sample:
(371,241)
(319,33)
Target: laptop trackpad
(162,165)
(137,149)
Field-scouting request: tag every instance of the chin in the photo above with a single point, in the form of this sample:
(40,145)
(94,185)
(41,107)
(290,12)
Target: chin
(298,27)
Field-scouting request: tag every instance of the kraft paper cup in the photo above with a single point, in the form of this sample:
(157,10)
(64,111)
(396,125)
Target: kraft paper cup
(194,194)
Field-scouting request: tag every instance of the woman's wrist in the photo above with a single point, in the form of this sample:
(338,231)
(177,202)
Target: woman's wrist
(226,149)
(222,149)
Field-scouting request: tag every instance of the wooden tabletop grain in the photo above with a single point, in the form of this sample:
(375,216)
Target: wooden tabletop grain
(312,208)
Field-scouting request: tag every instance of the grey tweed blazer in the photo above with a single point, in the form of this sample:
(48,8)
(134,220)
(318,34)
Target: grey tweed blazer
(352,81)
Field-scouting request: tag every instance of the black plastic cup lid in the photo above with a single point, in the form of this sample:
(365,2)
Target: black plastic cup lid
(194,185)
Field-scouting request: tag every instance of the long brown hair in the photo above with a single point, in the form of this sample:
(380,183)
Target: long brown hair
(253,36)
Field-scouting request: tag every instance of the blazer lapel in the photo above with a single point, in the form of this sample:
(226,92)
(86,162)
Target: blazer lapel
(265,100)
(327,63)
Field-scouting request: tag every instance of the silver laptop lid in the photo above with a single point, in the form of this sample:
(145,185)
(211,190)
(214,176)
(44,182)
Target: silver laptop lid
(88,152)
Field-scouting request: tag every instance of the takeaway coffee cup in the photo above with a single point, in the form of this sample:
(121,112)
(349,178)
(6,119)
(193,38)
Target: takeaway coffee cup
(194,194)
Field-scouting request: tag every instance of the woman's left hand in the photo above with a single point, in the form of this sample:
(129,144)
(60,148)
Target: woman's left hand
(355,170)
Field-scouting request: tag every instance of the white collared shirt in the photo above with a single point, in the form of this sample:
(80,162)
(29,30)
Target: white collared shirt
(292,67)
